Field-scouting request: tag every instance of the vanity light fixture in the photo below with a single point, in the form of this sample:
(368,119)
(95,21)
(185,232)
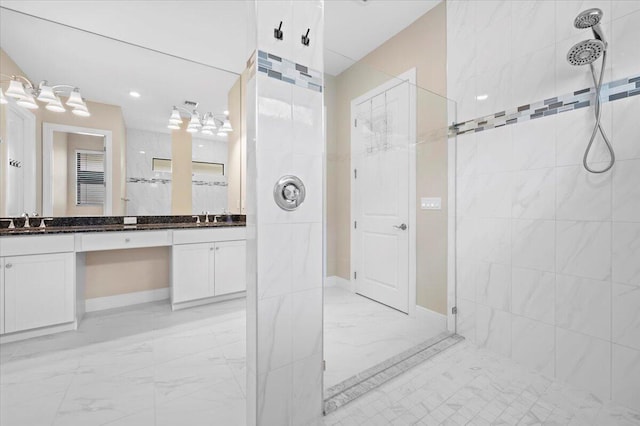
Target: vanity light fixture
(26,93)
(206,123)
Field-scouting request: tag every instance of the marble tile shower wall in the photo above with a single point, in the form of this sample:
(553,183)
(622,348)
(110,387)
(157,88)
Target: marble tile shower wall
(548,255)
(284,293)
(149,192)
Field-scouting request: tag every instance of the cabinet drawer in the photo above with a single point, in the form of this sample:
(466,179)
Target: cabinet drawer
(35,244)
(123,240)
(191,236)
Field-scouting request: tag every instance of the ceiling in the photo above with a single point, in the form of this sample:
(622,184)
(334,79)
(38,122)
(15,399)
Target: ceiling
(210,34)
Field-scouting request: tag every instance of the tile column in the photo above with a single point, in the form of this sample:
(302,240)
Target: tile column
(285,248)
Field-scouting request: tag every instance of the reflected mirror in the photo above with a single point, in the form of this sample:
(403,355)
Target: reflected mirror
(94,126)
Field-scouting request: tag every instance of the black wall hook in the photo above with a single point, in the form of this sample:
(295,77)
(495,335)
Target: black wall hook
(277,32)
(305,38)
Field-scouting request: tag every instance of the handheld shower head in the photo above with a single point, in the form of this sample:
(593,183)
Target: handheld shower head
(588,18)
(585,52)
(591,18)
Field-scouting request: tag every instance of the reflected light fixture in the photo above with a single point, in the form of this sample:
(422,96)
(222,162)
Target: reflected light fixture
(26,93)
(206,123)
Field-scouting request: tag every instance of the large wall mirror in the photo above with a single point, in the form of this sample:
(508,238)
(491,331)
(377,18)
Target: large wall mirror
(94,126)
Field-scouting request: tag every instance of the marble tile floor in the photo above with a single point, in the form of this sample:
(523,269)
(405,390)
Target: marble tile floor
(360,333)
(143,365)
(465,385)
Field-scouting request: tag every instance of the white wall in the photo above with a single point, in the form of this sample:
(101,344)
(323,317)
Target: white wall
(284,249)
(548,255)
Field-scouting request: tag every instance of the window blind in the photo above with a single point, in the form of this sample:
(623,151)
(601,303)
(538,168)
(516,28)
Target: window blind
(90,185)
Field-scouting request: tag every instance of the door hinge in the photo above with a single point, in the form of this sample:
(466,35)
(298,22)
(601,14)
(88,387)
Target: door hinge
(355,173)
(454,310)
(355,224)
(355,275)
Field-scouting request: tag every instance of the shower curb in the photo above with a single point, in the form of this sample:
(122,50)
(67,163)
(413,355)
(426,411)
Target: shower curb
(358,385)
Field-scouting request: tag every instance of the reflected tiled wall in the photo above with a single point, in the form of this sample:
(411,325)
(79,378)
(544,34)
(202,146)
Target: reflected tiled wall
(149,192)
(548,255)
(284,292)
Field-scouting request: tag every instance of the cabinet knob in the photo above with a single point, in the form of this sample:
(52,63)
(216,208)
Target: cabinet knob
(8,265)
(211,248)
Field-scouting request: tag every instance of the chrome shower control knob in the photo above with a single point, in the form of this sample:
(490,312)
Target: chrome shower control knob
(289,192)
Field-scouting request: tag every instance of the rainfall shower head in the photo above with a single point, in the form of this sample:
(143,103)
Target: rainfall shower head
(585,52)
(588,18)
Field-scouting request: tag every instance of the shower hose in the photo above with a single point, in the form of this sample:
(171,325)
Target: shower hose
(598,127)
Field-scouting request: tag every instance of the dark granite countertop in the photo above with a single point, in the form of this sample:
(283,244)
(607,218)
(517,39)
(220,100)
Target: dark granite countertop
(115,224)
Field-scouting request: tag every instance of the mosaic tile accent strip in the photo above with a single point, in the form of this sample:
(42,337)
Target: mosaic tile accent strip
(166,181)
(612,91)
(356,386)
(288,71)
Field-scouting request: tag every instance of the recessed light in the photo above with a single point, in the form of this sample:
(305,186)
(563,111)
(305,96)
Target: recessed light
(482,97)
(200,146)
(142,152)
(134,94)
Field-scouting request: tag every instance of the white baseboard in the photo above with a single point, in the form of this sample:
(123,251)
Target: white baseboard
(207,300)
(436,316)
(335,281)
(127,299)
(43,331)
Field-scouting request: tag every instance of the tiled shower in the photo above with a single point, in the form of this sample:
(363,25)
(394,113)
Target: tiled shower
(548,255)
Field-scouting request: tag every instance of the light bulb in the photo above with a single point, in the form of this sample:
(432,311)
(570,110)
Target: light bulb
(209,123)
(46,94)
(55,106)
(81,111)
(28,102)
(16,90)
(226,126)
(75,99)
(175,117)
(195,120)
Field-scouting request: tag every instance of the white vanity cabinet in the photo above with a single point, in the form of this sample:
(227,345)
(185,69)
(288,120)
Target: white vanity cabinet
(37,282)
(203,270)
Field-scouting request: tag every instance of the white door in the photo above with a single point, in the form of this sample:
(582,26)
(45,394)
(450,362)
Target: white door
(231,267)
(192,272)
(38,291)
(380,194)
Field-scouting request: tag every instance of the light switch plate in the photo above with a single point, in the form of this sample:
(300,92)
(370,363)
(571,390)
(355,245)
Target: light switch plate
(433,203)
(130,220)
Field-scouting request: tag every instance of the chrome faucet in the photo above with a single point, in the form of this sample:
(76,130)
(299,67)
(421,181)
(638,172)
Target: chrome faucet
(206,216)
(197,218)
(26,220)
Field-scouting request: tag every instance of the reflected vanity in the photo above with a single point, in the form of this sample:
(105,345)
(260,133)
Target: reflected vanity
(138,197)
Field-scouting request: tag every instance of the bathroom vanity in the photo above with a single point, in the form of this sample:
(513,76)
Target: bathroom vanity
(42,272)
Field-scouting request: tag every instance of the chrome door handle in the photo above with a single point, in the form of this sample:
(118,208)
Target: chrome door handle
(402,227)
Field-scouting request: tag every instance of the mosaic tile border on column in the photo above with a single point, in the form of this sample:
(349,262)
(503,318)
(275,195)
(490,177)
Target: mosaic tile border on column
(612,91)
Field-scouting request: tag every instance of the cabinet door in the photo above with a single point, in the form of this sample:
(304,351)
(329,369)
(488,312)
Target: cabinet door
(191,272)
(231,267)
(39,291)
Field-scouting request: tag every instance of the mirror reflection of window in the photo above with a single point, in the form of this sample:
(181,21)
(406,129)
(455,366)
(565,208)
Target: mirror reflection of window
(90,183)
